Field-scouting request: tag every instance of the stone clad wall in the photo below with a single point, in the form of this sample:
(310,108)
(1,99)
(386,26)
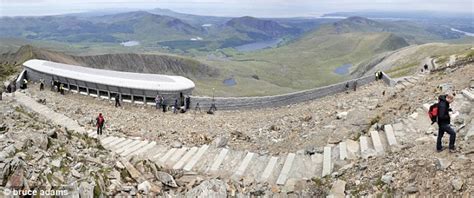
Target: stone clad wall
(282,100)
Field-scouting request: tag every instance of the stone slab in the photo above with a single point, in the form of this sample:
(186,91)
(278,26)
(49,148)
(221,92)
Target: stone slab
(185,158)
(377,142)
(342,151)
(196,158)
(143,149)
(243,166)
(286,169)
(390,135)
(269,168)
(219,159)
(167,155)
(327,164)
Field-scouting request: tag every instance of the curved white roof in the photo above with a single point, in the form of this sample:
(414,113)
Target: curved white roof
(112,78)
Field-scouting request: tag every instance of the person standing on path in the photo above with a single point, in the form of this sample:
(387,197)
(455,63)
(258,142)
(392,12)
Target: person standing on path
(100,124)
(41,84)
(444,122)
(117,101)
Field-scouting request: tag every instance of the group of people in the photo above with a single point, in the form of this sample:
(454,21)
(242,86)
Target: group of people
(181,104)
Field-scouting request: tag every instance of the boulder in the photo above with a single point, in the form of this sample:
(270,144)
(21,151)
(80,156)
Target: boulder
(220,142)
(338,188)
(166,179)
(144,187)
(209,188)
(176,144)
(442,164)
(342,115)
(457,183)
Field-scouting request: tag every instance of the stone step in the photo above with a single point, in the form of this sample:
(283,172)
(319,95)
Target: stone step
(317,161)
(243,166)
(185,158)
(134,148)
(256,167)
(231,163)
(390,135)
(107,140)
(143,149)
(167,155)
(302,168)
(327,164)
(353,149)
(377,142)
(218,160)
(121,144)
(127,146)
(269,168)
(115,142)
(156,152)
(195,158)
(286,169)
(342,151)
(176,156)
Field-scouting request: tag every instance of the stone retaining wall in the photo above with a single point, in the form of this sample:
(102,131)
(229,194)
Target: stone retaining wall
(230,103)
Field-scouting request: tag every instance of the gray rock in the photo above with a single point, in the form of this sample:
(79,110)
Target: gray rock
(310,150)
(166,179)
(442,164)
(457,183)
(3,128)
(465,108)
(144,187)
(387,178)
(176,144)
(209,188)
(338,188)
(411,188)
(341,115)
(52,134)
(56,163)
(220,142)
(75,173)
(86,190)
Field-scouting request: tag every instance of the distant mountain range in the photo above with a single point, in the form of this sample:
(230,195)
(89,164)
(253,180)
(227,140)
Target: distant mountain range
(173,30)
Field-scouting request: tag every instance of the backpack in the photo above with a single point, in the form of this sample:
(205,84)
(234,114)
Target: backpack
(433,113)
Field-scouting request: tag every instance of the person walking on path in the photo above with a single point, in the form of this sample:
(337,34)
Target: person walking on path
(100,124)
(158,101)
(41,84)
(117,101)
(355,85)
(444,122)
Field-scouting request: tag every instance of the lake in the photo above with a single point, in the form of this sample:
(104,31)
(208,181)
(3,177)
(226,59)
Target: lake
(230,82)
(130,43)
(343,69)
(258,45)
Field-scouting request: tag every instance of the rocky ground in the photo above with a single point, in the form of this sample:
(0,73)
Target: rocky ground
(275,130)
(37,154)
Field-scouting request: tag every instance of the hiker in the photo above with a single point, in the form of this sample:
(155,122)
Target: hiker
(212,109)
(117,101)
(347,87)
(425,66)
(444,122)
(41,84)
(164,104)
(181,99)
(100,124)
(158,101)
(188,102)
(25,84)
(355,85)
(378,75)
(175,107)
(61,89)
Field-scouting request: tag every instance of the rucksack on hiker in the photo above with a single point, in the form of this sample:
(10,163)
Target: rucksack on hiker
(433,113)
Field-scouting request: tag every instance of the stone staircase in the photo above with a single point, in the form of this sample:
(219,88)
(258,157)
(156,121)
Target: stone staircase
(228,163)
(408,81)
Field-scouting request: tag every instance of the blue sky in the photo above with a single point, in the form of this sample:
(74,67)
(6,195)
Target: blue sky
(259,8)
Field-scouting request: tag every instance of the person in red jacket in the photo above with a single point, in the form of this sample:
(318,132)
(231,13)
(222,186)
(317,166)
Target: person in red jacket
(100,124)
